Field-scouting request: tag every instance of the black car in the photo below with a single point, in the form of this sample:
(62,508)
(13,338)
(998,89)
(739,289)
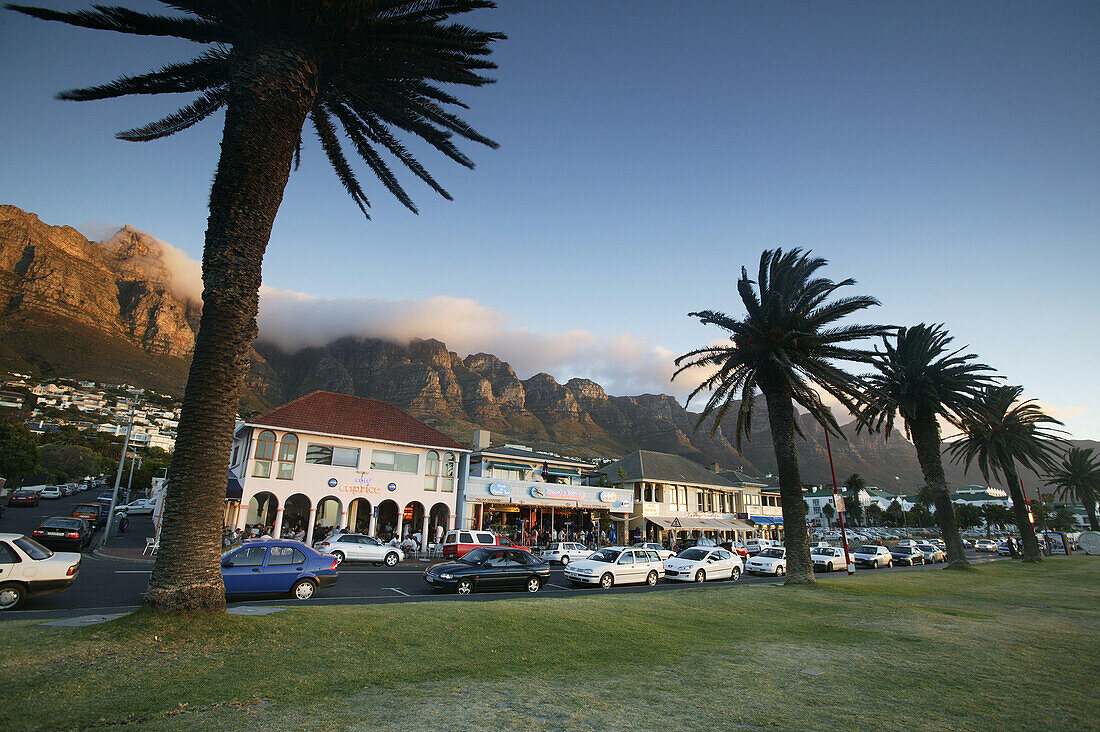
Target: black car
(907,556)
(490,568)
(64,533)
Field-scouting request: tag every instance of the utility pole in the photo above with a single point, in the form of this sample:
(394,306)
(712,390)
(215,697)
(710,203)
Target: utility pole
(839,513)
(118,476)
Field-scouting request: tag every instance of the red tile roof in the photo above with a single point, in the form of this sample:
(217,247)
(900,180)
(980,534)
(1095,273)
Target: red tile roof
(350,416)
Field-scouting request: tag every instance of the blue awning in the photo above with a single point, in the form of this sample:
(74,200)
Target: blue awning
(766,520)
(563,473)
(234,491)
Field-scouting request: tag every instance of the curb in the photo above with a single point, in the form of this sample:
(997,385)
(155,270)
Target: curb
(102,555)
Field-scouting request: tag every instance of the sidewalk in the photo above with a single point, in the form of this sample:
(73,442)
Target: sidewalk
(124,554)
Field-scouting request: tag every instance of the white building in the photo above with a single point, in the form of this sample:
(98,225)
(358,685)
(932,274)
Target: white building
(331,460)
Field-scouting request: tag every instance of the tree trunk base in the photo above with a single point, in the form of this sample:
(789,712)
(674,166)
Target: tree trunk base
(963,564)
(800,580)
(205,598)
(1032,560)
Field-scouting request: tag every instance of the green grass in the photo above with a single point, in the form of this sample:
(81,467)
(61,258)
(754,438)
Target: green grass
(1005,646)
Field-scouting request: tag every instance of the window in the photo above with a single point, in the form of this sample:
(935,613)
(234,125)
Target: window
(637,492)
(7,555)
(252,556)
(464,539)
(236,450)
(657,491)
(288,451)
(447,480)
(265,453)
(431,470)
(648,492)
(32,548)
(285,555)
(626,558)
(486,539)
(344,457)
(397,462)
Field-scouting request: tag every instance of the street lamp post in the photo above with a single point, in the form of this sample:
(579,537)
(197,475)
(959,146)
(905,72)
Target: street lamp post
(839,513)
(118,477)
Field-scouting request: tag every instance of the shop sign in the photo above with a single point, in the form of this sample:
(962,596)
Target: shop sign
(651,509)
(499,489)
(743,516)
(703,514)
(362,483)
(559,494)
(391,487)
(626,504)
(607,496)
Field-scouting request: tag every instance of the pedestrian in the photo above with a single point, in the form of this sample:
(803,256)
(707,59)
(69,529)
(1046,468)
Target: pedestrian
(438,533)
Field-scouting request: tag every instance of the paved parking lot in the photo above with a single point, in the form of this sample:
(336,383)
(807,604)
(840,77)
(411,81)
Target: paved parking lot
(111,585)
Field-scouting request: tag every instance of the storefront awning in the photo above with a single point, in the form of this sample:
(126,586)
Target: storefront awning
(234,491)
(563,472)
(766,520)
(508,466)
(703,524)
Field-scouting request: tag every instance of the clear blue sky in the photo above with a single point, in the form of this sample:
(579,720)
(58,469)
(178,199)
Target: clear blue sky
(946,155)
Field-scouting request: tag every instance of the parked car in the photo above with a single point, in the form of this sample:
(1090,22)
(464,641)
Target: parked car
(828,558)
(872,555)
(985,545)
(906,543)
(23,498)
(27,568)
(564,552)
(907,556)
(457,543)
(617,565)
(754,546)
(276,566)
(93,513)
(701,563)
(490,568)
(360,548)
(769,560)
(63,533)
(662,551)
(696,541)
(736,547)
(932,553)
(50,491)
(138,507)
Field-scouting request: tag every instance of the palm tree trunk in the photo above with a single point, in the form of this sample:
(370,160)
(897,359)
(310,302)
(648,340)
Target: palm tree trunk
(1019,510)
(926,439)
(781,416)
(1090,507)
(271,92)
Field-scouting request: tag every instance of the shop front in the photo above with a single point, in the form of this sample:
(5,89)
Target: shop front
(670,530)
(767,527)
(590,514)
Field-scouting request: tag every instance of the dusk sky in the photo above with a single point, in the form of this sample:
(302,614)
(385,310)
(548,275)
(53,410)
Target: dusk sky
(945,155)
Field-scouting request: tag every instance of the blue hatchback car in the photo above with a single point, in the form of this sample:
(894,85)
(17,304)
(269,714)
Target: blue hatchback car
(276,566)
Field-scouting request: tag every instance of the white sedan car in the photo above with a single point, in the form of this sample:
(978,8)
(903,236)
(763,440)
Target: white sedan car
(828,558)
(662,552)
(360,547)
(699,564)
(138,507)
(770,560)
(616,565)
(564,552)
(28,568)
(50,491)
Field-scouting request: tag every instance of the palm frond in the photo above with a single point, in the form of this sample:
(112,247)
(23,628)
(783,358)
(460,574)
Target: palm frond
(183,118)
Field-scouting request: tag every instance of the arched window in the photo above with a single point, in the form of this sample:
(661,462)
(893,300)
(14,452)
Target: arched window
(447,481)
(431,470)
(265,453)
(288,450)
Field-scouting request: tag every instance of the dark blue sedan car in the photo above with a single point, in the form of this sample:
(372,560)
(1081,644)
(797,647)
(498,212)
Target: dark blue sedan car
(276,566)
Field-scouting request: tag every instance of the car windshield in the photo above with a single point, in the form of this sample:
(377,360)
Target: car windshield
(606,555)
(477,556)
(693,555)
(867,550)
(822,550)
(771,553)
(232,548)
(33,549)
(61,523)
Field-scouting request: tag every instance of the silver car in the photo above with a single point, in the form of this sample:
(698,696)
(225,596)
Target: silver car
(360,548)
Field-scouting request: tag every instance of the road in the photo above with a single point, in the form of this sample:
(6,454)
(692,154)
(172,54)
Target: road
(111,586)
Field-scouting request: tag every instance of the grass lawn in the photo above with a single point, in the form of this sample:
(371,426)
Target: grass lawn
(1003,647)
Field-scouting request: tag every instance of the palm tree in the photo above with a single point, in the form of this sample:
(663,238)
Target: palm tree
(998,435)
(919,378)
(375,67)
(787,342)
(852,486)
(1077,478)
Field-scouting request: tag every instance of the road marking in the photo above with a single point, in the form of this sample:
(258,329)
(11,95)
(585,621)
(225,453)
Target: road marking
(400,592)
(133,571)
(560,587)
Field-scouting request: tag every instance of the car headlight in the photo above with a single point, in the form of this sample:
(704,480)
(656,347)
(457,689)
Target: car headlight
(446,576)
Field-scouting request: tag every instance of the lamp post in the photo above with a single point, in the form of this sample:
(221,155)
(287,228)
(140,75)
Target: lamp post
(118,477)
(839,513)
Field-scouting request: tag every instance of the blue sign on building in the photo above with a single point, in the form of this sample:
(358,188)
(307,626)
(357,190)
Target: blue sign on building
(499,489)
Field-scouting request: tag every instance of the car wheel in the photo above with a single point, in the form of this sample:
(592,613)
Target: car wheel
(464,587)
(829,567)
(303,589)
(651,579)
(735,574)
(780,570)
(700,576)
(534,584)
(12,596)
(339,557)
(565,560)
(890,564)
(391,559)
(607,580)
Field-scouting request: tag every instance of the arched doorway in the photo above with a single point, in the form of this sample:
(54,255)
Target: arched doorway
(358,519)
(261,511)
(295,515)
(438,519)
(412,519)
(386,525)
(328,515)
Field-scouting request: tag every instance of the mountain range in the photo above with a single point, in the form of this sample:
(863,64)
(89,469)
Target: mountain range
(107,311)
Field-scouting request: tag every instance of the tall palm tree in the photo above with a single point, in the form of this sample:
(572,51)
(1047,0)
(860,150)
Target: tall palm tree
(376,69)
(1001,433)
(787,342)
(921,379)
(1077,478)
